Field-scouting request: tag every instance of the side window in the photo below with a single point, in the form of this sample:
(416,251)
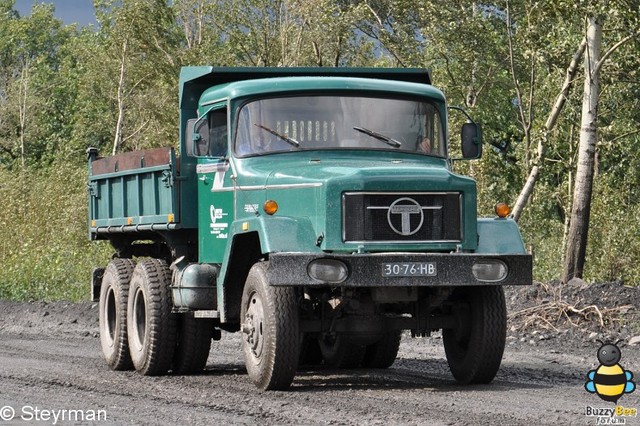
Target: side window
(430,136)
(218,133)
(437,133)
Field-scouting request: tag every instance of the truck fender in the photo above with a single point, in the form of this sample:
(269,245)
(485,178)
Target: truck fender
(499,236)
(253,239)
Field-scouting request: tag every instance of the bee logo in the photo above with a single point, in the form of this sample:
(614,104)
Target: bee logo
(609,381)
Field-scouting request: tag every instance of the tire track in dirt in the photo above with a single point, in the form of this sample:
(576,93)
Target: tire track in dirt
(61,367)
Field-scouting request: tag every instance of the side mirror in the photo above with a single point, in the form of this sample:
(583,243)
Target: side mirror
(471,141)
(201,137)
(197,136)
(188,136)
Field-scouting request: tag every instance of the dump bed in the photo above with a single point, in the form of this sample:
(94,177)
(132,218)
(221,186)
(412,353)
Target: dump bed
(133,192)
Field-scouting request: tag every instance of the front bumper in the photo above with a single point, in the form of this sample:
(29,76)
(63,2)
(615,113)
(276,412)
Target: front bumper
(366,270)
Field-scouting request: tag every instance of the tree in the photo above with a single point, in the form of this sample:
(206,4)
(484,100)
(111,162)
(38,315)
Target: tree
(136,67)
(549,125)
(578,230)
(31,53)
(581,209)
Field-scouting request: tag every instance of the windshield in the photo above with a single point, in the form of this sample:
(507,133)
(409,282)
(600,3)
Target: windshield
(339,122)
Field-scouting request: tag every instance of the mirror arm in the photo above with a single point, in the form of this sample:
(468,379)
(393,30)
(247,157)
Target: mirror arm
(195,123)
(462,110)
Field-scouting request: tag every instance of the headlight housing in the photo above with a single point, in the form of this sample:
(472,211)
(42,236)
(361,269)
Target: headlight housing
(490,270)
(330,271)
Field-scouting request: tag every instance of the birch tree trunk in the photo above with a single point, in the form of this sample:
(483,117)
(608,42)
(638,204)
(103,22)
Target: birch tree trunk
(581,209)
(23,109)
(117,139)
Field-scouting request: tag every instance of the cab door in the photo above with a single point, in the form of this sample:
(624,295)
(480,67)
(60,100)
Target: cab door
(215,187)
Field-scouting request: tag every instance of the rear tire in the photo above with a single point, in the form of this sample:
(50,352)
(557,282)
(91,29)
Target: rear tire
(474,349)
(383,353)
(270,326)
(114,294)
(194,344)
(151,325)
(339,352)
(310,354)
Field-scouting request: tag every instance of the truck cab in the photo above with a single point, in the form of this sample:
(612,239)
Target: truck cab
(313,210)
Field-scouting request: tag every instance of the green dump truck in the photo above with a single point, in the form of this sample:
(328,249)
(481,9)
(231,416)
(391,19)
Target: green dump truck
(313,210)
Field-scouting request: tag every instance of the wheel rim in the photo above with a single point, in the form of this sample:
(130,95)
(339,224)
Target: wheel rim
(110,313)
(139,317)
(254,321)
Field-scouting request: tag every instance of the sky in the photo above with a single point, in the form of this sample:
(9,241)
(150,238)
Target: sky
(70,11)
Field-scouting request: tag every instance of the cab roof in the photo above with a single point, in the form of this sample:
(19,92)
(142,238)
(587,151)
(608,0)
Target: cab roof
(212,83)
(320,85)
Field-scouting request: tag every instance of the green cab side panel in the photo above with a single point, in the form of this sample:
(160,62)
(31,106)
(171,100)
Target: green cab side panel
(216,211)
(281,233)
(499,236)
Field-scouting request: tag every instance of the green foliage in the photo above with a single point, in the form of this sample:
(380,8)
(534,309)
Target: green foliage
(614,246)
(542,229)
(45,251)
(33,101)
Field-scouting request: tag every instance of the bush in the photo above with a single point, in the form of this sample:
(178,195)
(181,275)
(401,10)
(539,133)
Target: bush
(542,230)
(44,248)
(614,247)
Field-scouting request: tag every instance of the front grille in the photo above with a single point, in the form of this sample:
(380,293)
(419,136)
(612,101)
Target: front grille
(402,217)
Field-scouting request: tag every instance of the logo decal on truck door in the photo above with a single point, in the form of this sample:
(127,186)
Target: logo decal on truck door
(218,228)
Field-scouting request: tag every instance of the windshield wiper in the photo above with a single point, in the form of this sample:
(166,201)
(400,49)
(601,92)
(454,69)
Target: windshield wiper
(285,138)
(386,139)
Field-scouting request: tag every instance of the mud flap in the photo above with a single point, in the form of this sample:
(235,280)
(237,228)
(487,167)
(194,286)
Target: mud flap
(96,282)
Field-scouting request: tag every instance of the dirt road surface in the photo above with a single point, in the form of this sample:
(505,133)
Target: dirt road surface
(52,372)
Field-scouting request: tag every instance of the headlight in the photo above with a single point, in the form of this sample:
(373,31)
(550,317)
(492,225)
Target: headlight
(328,270)
(490,270)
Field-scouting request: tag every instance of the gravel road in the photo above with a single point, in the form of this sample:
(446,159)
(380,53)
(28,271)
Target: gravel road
(52,372)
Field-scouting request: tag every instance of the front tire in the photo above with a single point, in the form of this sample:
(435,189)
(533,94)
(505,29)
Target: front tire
(310,354)
(114,295)
(151,325)
(474,349)
(270,326)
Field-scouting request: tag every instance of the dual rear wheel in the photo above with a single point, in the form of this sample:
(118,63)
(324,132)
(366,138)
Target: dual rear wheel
(340,352)
(114,296)
(137,326)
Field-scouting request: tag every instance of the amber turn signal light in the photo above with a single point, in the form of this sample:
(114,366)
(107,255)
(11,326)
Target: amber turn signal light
(270,207)
(502,210)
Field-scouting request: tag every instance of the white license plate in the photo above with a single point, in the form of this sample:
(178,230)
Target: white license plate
(409,269)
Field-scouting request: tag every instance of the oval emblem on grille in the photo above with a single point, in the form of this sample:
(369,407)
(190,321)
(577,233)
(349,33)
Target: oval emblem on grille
(404,208)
